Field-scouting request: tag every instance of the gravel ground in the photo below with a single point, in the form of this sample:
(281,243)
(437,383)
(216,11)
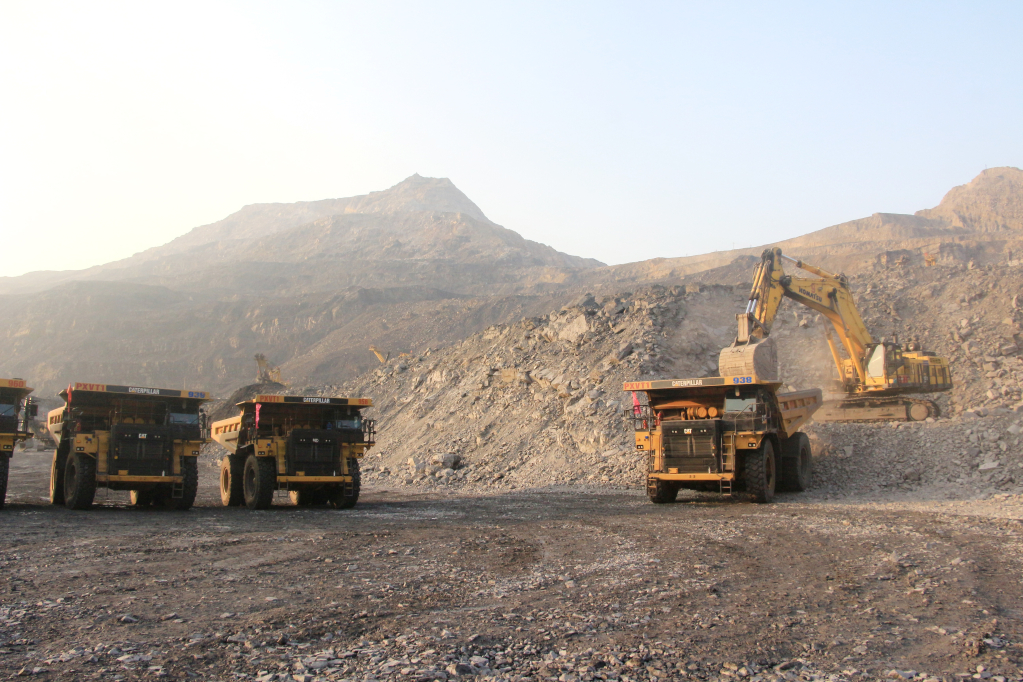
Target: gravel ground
(570,584)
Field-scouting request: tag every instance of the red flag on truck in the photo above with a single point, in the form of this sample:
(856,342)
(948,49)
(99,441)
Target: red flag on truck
(257,414)
(635,404)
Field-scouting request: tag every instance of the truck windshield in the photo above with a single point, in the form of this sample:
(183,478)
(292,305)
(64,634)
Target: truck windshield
(740,404)
(349,423)
(8,410)
(184,418)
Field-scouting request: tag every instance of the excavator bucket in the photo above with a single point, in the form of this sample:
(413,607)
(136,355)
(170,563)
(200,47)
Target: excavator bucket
(757,358)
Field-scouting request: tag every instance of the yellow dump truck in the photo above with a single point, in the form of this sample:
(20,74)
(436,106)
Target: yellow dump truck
(16,408)
(722,434)
(145,440)
(305,445)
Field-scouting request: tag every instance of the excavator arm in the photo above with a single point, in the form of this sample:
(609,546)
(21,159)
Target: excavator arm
(828,294)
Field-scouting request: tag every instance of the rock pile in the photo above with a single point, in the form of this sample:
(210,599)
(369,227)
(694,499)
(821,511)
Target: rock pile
(539,402)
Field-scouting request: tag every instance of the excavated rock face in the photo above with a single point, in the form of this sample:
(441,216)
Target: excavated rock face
(525,404)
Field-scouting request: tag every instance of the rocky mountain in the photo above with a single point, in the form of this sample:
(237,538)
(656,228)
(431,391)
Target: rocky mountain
(417,266)
(981,222)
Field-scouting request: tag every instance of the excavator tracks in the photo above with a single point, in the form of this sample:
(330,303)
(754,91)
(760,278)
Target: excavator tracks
(877,410)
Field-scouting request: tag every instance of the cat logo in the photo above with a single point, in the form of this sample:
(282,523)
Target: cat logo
(142,436)
(687,431)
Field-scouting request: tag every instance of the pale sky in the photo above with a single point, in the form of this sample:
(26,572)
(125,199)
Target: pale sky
(618,131)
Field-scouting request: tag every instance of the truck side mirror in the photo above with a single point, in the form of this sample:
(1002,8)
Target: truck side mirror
(33,410)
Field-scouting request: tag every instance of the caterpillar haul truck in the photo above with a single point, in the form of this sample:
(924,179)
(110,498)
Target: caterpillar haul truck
(877,378)
(16,409)
(727,434)
(144,440)
(307,446)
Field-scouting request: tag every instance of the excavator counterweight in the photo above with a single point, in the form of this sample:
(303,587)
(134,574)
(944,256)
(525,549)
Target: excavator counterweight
(876,377)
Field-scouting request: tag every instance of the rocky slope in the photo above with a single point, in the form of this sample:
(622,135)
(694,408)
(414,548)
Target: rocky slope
(312,285)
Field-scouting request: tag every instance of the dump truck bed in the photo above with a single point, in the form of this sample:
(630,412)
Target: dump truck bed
(797,407)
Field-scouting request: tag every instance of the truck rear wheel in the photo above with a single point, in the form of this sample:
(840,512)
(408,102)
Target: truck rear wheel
(57,479)
(346,495)
(308,498)
(5,471)
(259,478)
(189,486)
(661,492)
(796,470)
(141,498)
(79,481)
(761,472)
(232,489)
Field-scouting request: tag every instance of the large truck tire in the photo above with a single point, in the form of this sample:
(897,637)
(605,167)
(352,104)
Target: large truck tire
(259,479)
(308,498)
(661,492)
(189,486)
(57,479)
(795,473)
(5,471)
(79,481)
(345,496)
(141,498)
(232,487)
(761,472)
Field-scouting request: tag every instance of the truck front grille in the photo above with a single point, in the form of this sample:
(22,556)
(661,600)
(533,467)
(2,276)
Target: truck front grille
(695,452)
(140,450)
(314,452)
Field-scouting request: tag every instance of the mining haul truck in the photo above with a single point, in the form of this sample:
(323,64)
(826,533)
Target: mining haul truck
(144,440)
(16,409)
(723,434)
(309,447)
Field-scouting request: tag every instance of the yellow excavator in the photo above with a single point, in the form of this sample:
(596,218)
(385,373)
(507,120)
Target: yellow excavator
(265,372)
(876,377)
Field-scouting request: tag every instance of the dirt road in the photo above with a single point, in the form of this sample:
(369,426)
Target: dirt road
(562,584)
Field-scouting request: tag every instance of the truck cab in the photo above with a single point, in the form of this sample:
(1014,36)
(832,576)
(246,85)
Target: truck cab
(144,440)
(722,434)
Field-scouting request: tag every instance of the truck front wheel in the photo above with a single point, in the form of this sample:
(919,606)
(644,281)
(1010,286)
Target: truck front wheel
(142,497)
(346,495)
(232,490)
(661,492)
(79,481)
(761,472)
(189,486)
(57,479)
(259,478)
(5,469)
(796,472)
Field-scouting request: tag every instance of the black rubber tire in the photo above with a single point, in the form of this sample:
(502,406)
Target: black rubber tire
(232,488)
(761,472)
(142,498)
(5,471)
(309,497)
(795,471)
(79,481)
(57,479)
(259,481)
(343,497)
(189,486)
(661,492)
